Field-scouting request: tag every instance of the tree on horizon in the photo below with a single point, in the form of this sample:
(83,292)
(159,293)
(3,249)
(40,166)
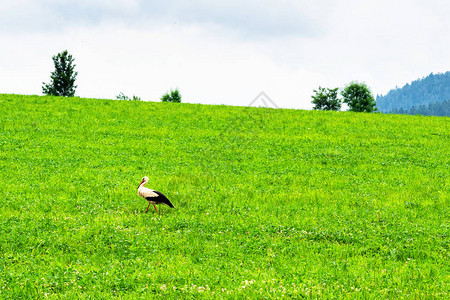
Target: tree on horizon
(326,99)
(62,79)
(359,97)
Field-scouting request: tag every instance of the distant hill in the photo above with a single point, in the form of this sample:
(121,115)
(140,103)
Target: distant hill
(433,109)
(427,96)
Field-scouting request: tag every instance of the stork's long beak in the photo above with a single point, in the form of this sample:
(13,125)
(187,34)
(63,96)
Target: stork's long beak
(140,183)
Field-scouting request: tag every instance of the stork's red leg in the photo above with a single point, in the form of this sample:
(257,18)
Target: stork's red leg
(147,207)
(155,208)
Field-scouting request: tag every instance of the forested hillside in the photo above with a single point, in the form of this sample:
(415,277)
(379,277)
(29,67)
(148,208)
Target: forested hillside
(439,109)
(427,96)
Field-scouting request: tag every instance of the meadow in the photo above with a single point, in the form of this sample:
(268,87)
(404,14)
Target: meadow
(269,203)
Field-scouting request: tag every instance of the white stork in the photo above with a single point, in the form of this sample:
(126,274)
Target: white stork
(153,197)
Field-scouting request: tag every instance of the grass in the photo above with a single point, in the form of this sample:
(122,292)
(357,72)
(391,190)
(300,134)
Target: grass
(269,203)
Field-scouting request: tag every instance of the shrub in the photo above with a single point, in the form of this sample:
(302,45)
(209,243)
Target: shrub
(173,96)
(122,96)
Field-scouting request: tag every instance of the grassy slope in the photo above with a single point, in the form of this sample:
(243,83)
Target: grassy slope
(268,202)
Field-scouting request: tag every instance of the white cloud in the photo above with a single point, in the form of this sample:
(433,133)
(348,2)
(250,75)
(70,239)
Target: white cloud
(252,19)
(249,19)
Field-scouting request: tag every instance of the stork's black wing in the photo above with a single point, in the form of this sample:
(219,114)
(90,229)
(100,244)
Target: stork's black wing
(160,199)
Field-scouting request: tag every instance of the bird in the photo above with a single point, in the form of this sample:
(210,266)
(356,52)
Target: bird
(153,197)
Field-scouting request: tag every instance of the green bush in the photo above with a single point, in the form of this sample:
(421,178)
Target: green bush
(173,96)
(122,96)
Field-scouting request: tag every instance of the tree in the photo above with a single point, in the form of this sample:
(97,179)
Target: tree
(326,99)
(173,96)
(359,97)
(62,80)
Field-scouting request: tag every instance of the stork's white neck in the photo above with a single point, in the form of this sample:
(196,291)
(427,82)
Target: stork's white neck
(143,183)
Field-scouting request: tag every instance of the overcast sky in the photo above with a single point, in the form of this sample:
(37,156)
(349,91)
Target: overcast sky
(223,52)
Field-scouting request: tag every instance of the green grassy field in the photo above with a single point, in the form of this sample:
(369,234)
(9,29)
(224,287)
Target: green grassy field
(269,203)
